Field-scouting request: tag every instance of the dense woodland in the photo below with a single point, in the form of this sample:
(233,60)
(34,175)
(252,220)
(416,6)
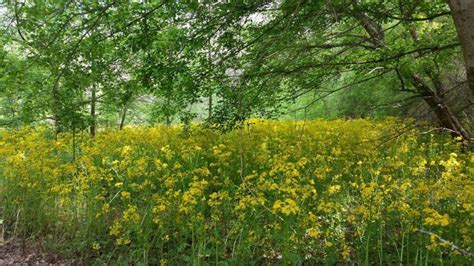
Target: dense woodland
(131,113)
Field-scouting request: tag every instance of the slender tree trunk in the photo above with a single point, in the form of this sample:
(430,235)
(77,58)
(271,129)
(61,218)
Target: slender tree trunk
(209,43)
(92,128)
(123,116)
(12,110)
(209,109)
(167,111)
(463,16)
(55,109)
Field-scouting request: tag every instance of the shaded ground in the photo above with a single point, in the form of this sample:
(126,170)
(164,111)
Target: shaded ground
(28,252)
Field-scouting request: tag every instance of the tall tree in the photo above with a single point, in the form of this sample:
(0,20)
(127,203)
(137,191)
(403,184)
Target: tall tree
(463,16)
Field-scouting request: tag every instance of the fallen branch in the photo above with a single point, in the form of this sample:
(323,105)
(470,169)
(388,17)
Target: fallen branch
(453,246)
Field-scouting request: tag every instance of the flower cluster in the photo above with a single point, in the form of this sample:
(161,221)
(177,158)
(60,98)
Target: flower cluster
(319,191)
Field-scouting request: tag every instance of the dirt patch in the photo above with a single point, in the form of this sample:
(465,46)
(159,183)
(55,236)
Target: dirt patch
(26,252)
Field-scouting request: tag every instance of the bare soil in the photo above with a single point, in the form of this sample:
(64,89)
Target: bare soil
(19,252)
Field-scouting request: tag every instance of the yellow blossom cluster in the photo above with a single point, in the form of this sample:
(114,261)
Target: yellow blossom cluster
(301,192)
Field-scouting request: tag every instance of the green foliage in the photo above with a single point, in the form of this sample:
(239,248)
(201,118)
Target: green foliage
(22,88)
(254,57)
(370,99)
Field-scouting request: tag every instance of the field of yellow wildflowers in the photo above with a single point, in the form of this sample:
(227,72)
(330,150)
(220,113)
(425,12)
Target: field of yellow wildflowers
(271,192)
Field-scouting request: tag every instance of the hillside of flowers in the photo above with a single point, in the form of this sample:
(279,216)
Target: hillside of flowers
(342,191)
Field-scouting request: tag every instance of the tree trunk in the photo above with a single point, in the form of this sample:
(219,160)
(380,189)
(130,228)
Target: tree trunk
(440,108)
(167,111)
(93,114)
(55,109)
(122,118)
(463,16)
(375,30)
(209,109)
